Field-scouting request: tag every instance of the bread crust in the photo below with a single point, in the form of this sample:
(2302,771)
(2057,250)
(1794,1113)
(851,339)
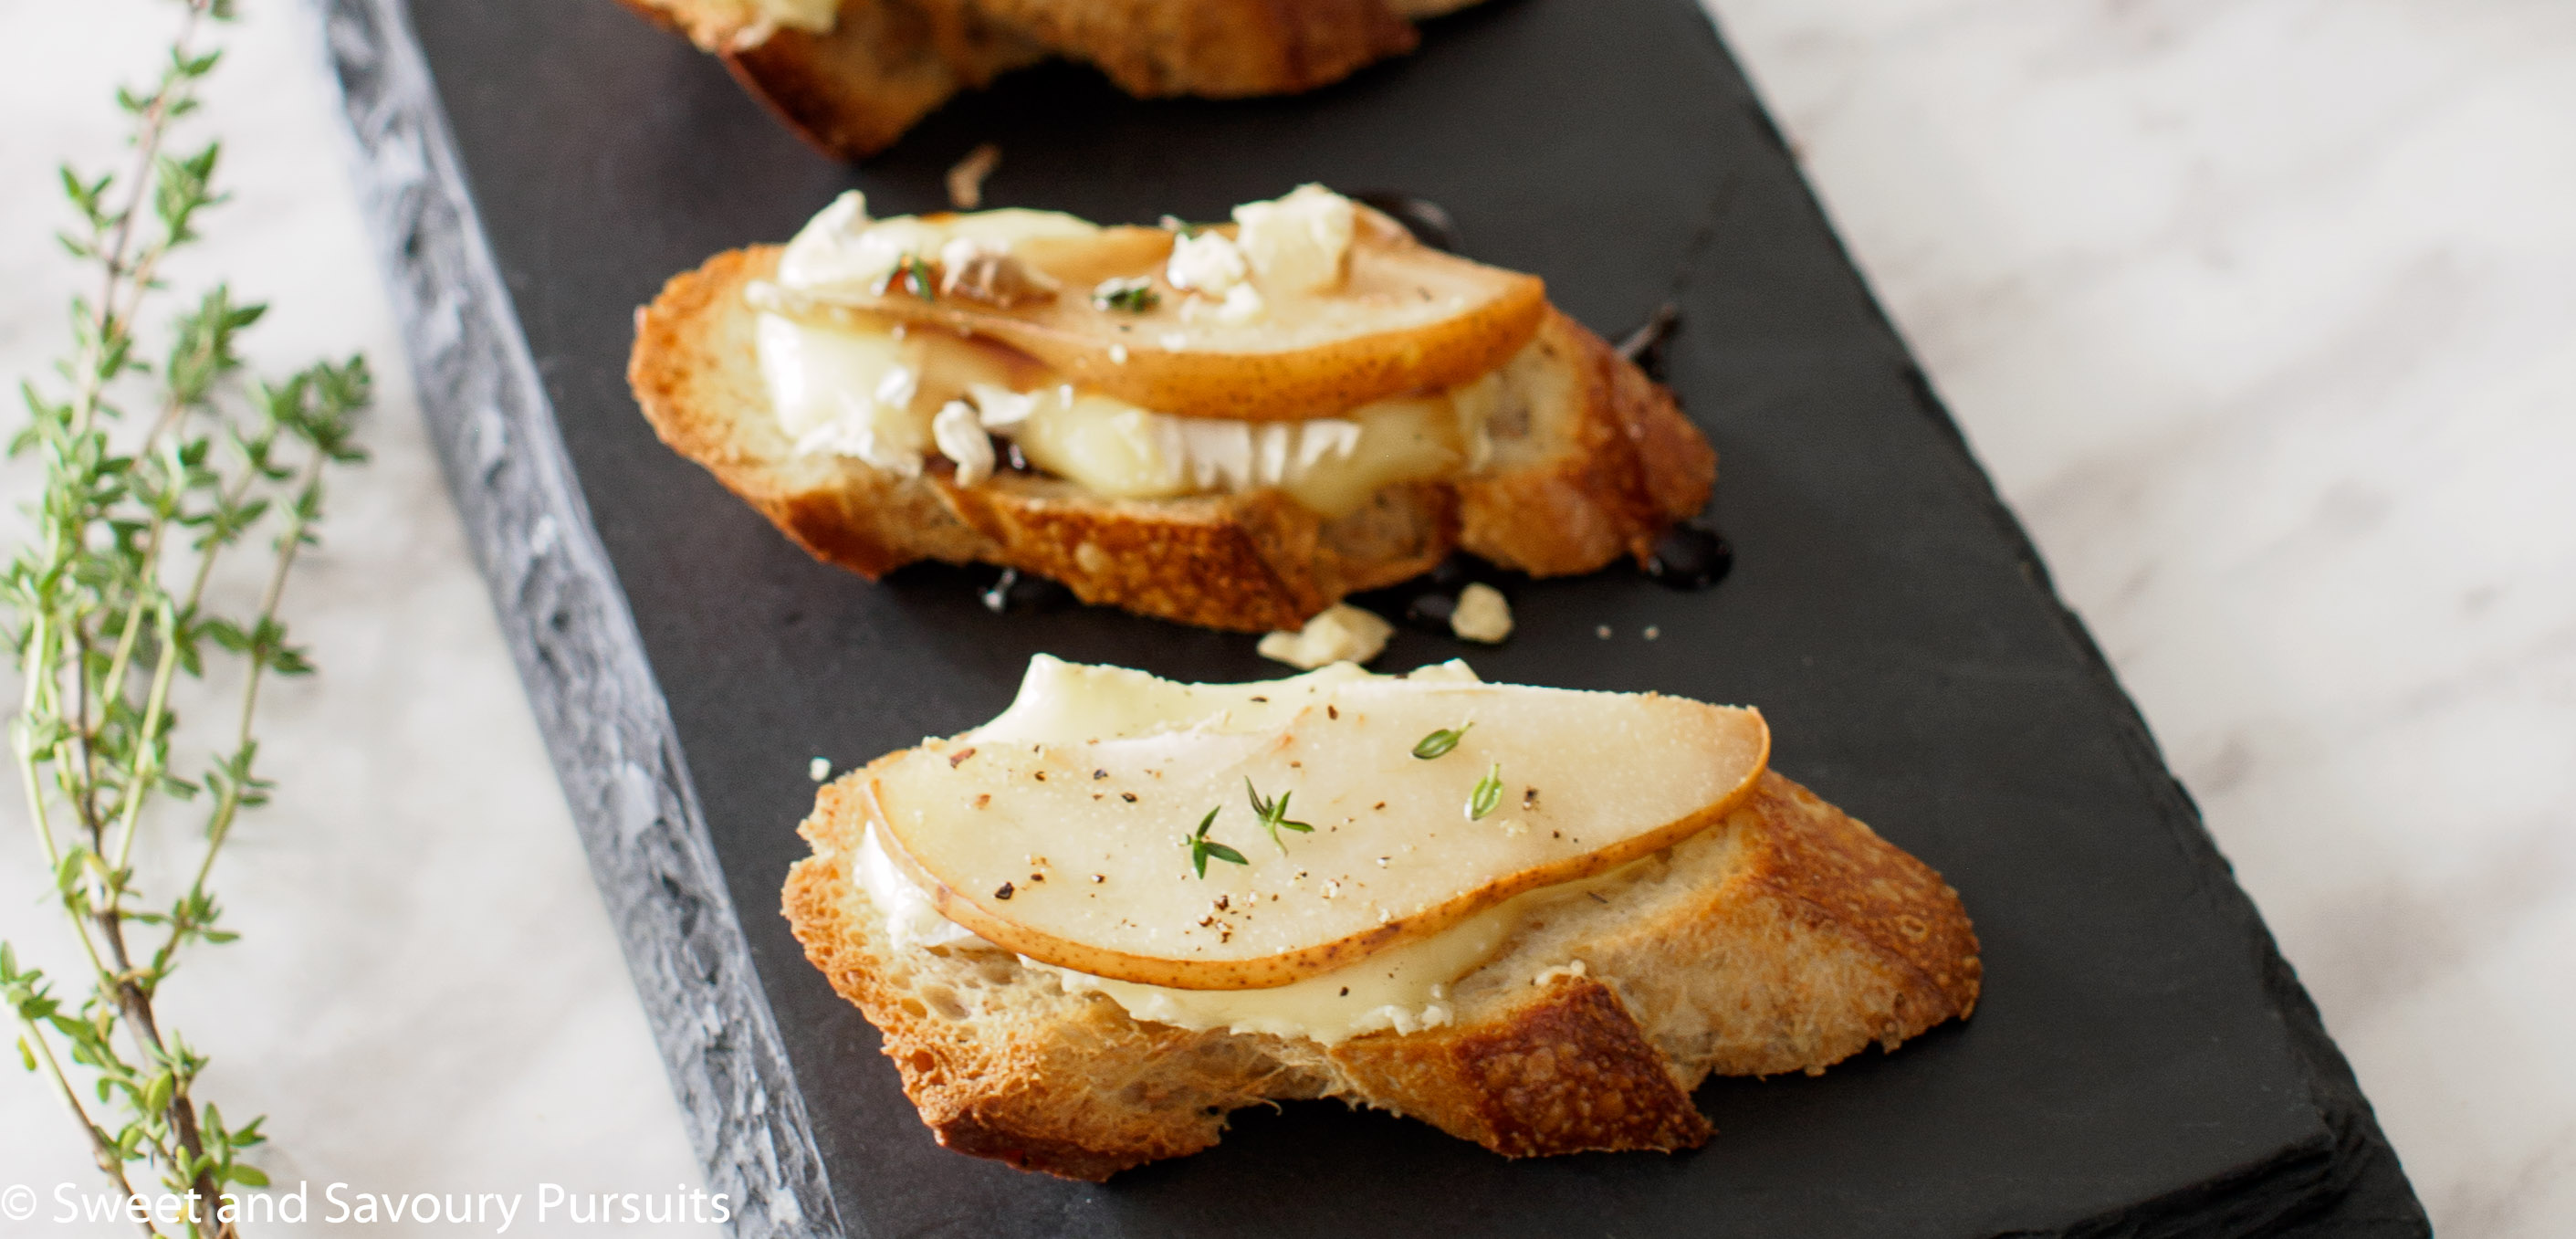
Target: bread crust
(854,89)
(1594,463)
(1785,938)
(1215,48)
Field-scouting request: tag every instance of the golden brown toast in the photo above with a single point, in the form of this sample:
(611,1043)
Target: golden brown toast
(1590,461)
(855,85)
(1785,938)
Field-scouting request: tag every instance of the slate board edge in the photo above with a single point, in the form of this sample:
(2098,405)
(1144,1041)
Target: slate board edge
(615,753)
(569,630)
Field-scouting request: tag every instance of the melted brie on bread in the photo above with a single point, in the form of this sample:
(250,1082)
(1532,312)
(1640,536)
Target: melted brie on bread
(1232,426)
(1313,347)
(1338,884)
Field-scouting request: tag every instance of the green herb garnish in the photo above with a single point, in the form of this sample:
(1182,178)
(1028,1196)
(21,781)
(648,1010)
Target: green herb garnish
(1274,815)
(1440,742)
(1489,793)
(915,277)
(1135,296)
(1202,847)
(148,475)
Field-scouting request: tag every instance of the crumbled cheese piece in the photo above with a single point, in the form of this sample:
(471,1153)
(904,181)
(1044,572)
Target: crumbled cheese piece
(1483,614)
(1118,354)
(1300,243)
(1340,633)
(1111,289)
(1574,969)
(852,437)
(842,251)
(898,387)
(819,769)
(961,439)
(957,252)
(825,250)
(1207,263)
(1242,305)
(998,407)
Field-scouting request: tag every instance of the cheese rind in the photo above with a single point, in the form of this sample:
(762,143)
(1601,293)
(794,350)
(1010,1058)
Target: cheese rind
(1082,850)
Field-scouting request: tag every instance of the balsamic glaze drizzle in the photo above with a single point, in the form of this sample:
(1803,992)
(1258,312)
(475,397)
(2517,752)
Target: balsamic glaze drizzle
(1690,556)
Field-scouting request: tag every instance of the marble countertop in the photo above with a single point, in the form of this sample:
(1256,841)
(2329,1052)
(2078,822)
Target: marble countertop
(2263,316)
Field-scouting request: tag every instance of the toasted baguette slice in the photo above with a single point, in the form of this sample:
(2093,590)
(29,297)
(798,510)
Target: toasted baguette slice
(853,87)
(1591,461)
(1785,938)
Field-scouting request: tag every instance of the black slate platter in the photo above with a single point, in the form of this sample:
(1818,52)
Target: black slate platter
(2143,1063)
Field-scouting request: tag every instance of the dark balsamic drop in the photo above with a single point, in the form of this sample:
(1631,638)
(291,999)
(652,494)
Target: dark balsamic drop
(1018,591)
(1422,217)
(1429,611)
(1457,572)
(1690,557)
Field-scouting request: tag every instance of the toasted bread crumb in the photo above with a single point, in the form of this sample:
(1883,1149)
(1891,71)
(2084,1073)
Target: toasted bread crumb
(1340,633)
(1483,614)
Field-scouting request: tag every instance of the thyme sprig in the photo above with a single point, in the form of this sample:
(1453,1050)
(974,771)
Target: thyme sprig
(913,273)
(1274,815)
(1488,794)
(1438,743)
(1201,847)
(1135,295)
(107,605)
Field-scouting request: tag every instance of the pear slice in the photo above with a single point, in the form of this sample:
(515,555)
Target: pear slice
(1406,318)
(1075,847)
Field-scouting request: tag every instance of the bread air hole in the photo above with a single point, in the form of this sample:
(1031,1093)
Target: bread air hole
(944,1001)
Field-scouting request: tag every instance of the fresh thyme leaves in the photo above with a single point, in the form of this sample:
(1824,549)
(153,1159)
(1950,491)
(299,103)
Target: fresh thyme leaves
(1135,295)
(107,602)
(1439,743)
(1489,793)
(914,274)
(1274,815)
(1202,847)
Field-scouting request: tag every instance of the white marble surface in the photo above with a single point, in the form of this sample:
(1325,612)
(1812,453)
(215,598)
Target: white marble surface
(2263,315)
(2262,312)
(426,996)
